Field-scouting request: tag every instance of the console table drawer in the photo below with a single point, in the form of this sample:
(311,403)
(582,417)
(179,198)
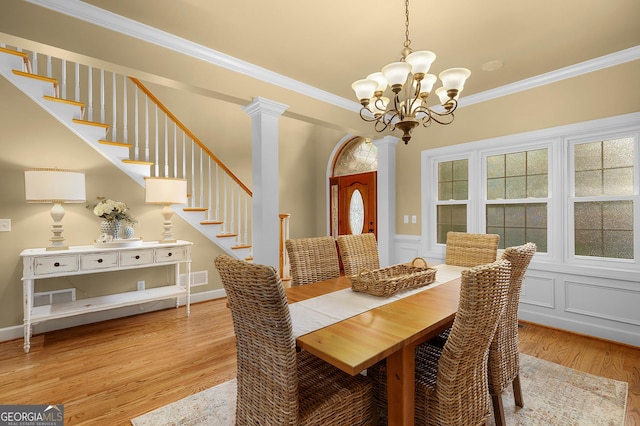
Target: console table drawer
(98,261)
(55,264)
(170,254)
(136,257)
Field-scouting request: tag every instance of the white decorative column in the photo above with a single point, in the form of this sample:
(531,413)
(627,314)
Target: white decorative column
(264,143)
(386,197)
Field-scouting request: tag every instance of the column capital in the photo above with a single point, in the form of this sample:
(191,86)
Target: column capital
(264,106)
(386,140)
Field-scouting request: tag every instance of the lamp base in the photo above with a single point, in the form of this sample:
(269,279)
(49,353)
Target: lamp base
(51,248)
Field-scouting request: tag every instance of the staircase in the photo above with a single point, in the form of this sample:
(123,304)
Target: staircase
(120,118)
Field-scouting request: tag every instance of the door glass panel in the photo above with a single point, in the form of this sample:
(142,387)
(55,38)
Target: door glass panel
(356,213)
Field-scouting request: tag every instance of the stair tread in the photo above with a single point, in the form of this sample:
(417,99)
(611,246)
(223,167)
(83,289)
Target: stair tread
(226,235)
(64,101)
(144,163)
(211,222)
(105,142)
(36,77)
(239,247)
(195,209)
(90,123)
(13,52)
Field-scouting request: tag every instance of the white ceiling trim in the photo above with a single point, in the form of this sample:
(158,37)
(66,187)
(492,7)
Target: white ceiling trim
(100,17)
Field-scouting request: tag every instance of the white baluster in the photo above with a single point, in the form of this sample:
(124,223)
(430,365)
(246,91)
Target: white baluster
(102,111)
(146,128)
(63,83)
(136,147)
(125,118)
(166,145)
(77,82)
(89,93)
(114,91)
(156,162)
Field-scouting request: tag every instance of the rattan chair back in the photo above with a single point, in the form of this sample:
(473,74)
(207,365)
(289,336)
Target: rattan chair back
(358,252)
(278,385)
(504,353)
(459,395)
(312,259)
(469,250)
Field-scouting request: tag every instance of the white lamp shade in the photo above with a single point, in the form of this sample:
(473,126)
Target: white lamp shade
(396,72)
(454,78)
(364,88)
(164,190)
(420,61)
(378,77)
(426,85)
(54,185)
(443,95)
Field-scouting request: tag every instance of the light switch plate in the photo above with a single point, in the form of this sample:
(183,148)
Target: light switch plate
(5,225)
(414,219)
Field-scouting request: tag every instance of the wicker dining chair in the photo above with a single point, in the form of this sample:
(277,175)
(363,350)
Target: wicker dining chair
(452,381)
(504,353)
(312,259)
(276,384)
(358,252)
(465,249)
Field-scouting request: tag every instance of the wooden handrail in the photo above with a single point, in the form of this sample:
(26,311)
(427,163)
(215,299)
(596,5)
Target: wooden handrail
(191,135)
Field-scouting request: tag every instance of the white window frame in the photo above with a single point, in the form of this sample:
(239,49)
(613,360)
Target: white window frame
(571,199)
(558,140)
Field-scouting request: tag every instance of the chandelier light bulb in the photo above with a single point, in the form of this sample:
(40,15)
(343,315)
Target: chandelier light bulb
(426,85)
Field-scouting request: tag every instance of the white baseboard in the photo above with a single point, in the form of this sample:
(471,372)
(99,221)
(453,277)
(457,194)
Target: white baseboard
(17,331)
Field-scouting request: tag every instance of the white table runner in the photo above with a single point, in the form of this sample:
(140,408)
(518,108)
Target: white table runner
(318,312)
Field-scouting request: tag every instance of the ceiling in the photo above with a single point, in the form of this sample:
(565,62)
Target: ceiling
(331,43)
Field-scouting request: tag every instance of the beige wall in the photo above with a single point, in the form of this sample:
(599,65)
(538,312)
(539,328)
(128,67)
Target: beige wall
(609,92)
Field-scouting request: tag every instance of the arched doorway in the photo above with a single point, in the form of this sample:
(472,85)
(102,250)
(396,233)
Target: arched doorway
(353,188)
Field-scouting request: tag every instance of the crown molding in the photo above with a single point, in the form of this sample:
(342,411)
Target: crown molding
(613,59)
(109,20)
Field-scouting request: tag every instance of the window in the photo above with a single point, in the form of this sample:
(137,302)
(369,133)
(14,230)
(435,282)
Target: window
(453,196)
(602,203)
(517,187)
(572,190)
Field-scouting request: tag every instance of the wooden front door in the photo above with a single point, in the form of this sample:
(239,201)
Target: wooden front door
(356,209)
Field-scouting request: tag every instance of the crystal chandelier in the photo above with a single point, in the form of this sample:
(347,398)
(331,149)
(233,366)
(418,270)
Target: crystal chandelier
(410,86)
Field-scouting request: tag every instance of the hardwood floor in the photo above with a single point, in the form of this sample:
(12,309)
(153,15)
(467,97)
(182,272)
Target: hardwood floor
(113,371)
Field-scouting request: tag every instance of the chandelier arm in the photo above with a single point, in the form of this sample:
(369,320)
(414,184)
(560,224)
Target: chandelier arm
(365,116)
(446,118)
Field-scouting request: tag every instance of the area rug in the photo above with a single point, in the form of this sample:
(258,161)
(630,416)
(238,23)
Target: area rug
(553,395)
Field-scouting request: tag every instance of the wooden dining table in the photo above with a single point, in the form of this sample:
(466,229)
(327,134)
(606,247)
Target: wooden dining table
(390,332)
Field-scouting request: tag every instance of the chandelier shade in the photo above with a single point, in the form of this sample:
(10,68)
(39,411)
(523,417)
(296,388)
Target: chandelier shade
(410,86)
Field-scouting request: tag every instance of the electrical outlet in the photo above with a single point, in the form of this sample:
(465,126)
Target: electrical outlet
(140,285)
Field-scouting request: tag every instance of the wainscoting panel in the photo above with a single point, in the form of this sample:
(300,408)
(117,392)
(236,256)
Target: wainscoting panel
(598,301)
(538,290)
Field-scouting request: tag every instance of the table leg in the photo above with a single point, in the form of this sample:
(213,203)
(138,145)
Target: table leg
(401,386)
(27,294)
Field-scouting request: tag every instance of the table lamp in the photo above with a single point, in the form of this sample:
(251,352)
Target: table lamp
(166,191)
(55,186)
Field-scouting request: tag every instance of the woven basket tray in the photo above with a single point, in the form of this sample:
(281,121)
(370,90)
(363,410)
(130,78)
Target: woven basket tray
(387,281)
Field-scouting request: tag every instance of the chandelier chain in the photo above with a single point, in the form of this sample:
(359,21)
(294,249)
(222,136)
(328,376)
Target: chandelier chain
(407,42)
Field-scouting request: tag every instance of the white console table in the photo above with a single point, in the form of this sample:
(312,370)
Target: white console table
(77,260)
